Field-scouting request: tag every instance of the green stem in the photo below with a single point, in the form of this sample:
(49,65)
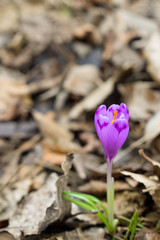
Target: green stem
(110,194)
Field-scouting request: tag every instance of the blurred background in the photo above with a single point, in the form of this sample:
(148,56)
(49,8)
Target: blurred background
(59,60)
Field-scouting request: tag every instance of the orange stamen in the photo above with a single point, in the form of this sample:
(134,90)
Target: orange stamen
(115,115)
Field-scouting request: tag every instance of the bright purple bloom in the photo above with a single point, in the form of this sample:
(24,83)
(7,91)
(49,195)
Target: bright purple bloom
(112,127)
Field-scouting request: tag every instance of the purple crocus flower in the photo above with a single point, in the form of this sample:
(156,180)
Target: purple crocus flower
(112,127)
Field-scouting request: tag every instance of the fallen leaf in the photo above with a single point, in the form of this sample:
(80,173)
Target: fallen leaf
(21,130)
(53,157)
(92,143)
(94,98)
(156,165)
(96,188)
(10,160)
(5,11)
(141,25)
(95,233)
(81,80)
(151,218)
(152,186)
(151,131)
(152,128)
(43,207)
(152,55)
(156,195)
(89,33)
(146,234)
(10,196)
(142,100)
(12,104)
(6,236)
(27,218)
(99,188)
(88,165)
(126,58)
(127,201)
(56,137)
(87,219)
(149,183)
(82,49)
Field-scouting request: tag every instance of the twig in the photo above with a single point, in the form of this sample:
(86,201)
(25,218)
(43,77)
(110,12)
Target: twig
(141,152)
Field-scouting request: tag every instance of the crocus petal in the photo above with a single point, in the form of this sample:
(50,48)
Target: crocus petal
(111,109)
(101,110)
(112,134)
(122,127)
(101,123)
(123,108)
(109,140)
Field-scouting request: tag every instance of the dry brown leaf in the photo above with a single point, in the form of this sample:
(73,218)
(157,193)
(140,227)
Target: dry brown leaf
(91,233)
(156,196)
(42,22)
(88,219)
(17,42)
(94,233)
(8,24)
(21,130)
(94,98)
(12,168)
(99,188)
(141,99)
(56,136)
(146,234)
(142,26)
(6,236)
(126,202)
(82,49)
(39,23)
(155,6)
(88,165)
(152,55)
(43,207)
(32,209)
(81,80)
(152,128)
(10,196)
(89,33)
(12,104)
(96,188)
(131,182)
(91,141)
(52,157)
(156,165)
(152,218)
(126,58)
(148,183)
(152,186)
(151,131)
(28,145)
(36,87)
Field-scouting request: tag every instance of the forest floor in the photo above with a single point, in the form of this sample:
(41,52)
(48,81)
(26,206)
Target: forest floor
(60,60)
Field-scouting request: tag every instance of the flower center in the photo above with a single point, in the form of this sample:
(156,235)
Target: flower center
(115,115)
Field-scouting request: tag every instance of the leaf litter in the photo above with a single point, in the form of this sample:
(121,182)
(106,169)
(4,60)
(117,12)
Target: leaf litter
(59,61)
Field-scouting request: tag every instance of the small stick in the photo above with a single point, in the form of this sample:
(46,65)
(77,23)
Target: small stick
(141,152)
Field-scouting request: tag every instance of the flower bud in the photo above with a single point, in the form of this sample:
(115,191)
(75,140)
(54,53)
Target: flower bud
(112,127)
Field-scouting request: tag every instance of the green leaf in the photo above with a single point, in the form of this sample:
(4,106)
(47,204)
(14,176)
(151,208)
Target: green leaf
(134,222)
(89,202)
(79,203)
(89,199)
(96,200)
(105,221)
(139,225)
(82,197)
